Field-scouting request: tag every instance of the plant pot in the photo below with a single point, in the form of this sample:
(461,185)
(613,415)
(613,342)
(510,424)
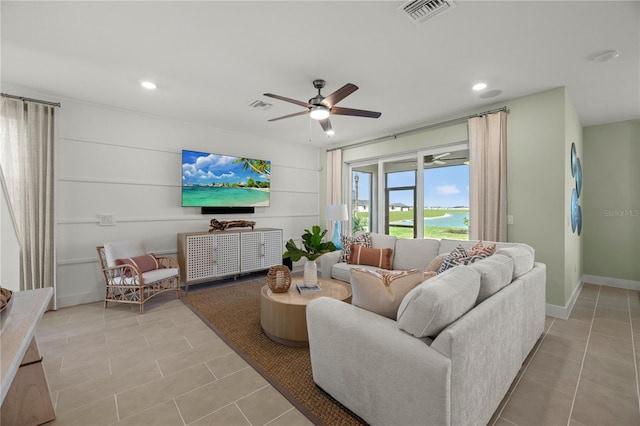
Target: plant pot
(310,277)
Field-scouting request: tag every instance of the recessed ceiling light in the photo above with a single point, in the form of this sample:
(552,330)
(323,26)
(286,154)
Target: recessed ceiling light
(330,132)
(148,85)
(479,86)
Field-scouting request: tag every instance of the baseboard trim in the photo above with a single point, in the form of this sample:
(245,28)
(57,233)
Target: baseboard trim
(78,299)
(563,312)
(612,282)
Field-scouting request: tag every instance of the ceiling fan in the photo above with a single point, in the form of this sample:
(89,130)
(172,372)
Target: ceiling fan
(321,107)
(430,160)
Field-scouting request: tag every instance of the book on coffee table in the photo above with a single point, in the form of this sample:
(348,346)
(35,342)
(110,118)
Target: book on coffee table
(302,289)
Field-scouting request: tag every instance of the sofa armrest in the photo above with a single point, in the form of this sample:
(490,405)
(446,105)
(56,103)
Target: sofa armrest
(326,262)
(379,372)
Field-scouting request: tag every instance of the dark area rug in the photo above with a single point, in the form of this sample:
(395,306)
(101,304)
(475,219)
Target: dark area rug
(233,312)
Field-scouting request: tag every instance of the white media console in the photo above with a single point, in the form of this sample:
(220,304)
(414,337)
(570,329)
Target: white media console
(205,256)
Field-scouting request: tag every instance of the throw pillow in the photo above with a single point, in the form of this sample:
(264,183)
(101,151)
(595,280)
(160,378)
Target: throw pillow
(144,263)
(456,257)
(380,291)
(428,274)
(347,240)
(435,263)
(479,249)
(361,255)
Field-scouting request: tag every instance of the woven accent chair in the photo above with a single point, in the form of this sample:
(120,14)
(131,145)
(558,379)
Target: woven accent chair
(133,276)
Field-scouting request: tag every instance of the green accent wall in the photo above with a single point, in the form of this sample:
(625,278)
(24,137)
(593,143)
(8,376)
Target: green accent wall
(612,200)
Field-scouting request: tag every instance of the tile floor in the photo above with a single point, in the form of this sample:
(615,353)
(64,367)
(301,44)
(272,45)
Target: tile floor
(166,367)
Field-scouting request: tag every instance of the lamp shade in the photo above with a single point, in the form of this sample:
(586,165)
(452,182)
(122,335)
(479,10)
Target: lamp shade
(337,212)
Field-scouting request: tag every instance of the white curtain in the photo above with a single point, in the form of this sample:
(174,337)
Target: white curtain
(488,177)
(334,181)
(26,163)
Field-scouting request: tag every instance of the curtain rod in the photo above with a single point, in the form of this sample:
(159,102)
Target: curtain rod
(418,129)
(54,104)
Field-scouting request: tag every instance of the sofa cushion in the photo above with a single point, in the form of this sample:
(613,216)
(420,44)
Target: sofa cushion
(414,253)
(384,241)
(342,271)
(382,291)
(448,245)
(495,274)
(431,306)
(360,255)
(523,258)
(363,239)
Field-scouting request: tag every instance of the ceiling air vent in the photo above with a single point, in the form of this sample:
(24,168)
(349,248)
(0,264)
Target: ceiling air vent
(258,104)
(420,10)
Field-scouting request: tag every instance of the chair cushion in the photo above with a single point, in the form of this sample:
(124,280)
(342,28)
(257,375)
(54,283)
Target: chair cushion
(146,262)
(360,255)
(122,250)
(431,306)
(149,277)
(346,240)
(382,291)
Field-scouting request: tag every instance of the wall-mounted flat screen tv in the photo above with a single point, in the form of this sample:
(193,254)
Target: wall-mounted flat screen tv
(214,180)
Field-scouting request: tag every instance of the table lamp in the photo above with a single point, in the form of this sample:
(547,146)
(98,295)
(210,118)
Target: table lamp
(337,213)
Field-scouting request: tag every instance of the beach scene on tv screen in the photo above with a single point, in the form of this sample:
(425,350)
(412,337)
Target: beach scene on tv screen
(212,180)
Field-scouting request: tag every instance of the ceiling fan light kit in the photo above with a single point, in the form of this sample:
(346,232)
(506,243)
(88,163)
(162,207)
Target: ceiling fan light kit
(322,107)
(319,112)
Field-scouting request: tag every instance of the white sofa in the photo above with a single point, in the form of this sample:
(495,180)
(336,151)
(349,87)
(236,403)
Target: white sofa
(386,375)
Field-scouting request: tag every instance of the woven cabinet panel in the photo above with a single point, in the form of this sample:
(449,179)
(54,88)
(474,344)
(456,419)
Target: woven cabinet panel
(252,251)
(272,248)
(212,255)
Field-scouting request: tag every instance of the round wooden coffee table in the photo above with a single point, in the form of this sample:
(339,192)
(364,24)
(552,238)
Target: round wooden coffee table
(283,316)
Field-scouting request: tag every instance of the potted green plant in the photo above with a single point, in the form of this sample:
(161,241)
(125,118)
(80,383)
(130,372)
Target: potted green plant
(313,246)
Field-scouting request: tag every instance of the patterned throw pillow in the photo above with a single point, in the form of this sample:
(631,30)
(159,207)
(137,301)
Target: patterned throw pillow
(456,257)
(360,255)
(347,240)
(144,263)
(479,249)
(382,291)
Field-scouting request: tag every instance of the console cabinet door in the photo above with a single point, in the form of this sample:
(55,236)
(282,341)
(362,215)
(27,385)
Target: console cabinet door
(261,250)
(210,256)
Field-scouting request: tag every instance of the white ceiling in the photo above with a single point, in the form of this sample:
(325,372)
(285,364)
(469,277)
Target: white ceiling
(211,59)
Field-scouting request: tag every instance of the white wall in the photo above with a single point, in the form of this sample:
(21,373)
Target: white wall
(128,164)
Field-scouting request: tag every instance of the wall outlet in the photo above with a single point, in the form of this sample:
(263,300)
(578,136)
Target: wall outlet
(107,219)
(509,219)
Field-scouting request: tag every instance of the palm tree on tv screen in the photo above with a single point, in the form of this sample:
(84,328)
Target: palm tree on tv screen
(262,167)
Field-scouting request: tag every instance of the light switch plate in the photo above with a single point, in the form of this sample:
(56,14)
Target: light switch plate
(509,219)
(107,219)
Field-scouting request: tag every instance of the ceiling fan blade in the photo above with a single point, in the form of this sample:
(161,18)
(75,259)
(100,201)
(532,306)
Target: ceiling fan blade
(355,112)
(295,114)
(293,101)
(438,162)
(441,155)
(339,94)
(326,125)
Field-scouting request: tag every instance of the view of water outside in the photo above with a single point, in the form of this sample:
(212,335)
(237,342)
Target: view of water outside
(446,202)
